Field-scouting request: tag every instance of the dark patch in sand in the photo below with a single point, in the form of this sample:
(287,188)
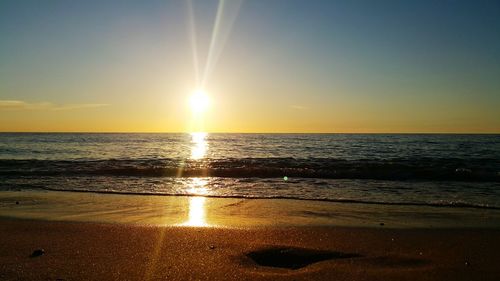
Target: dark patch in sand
(294,258)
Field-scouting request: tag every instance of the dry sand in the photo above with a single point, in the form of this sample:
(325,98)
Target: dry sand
(90,251)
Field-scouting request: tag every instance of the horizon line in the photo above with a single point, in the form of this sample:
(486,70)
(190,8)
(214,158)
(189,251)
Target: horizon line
(184,132)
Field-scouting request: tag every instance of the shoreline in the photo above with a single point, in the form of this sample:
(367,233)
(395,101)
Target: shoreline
(232,212)
(96,251)
(340,201)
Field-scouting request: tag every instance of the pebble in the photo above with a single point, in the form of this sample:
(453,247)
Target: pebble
(37,253)
(211,247)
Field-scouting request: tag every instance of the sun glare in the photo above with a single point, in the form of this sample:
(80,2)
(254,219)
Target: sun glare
(199,148)
(199,101)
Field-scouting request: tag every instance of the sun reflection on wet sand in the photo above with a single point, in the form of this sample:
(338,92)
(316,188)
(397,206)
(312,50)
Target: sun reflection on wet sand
(197,208)
(196,212)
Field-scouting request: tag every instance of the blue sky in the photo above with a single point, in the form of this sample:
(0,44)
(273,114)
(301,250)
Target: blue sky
(298,66)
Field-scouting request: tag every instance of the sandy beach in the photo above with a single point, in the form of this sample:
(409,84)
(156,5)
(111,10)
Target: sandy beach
(90,251)
(88,236)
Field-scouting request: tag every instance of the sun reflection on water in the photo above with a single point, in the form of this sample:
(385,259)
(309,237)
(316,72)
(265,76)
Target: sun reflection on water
(197,186)
(200,145)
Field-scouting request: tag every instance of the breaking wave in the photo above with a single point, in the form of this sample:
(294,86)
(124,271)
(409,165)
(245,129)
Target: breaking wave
(449,169)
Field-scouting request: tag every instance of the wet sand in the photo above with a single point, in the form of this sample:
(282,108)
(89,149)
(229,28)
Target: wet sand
(87,236)
(232,212)
(92,251)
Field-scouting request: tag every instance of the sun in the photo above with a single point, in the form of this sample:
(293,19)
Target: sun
(199,101)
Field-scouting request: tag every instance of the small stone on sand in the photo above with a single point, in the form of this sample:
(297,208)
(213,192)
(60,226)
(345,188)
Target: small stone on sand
(37,253)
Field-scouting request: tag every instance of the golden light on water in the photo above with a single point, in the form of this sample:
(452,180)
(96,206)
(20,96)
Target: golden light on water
(197,186)
(199,145)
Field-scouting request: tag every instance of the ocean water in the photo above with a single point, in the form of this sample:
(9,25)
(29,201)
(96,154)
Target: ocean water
(456,171)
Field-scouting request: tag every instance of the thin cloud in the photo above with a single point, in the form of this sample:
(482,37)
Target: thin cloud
(22,105)
(79,106)
(297,107)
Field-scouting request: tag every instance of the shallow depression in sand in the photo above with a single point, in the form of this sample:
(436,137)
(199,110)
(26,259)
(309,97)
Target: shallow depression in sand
(294,258)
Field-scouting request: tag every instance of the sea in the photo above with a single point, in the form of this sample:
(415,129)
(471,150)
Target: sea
(439,170)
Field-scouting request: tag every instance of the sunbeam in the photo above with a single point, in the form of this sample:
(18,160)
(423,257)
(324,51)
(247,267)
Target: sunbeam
(227,12)
(193,41)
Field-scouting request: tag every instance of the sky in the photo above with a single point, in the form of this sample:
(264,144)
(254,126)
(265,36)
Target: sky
(275,66)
